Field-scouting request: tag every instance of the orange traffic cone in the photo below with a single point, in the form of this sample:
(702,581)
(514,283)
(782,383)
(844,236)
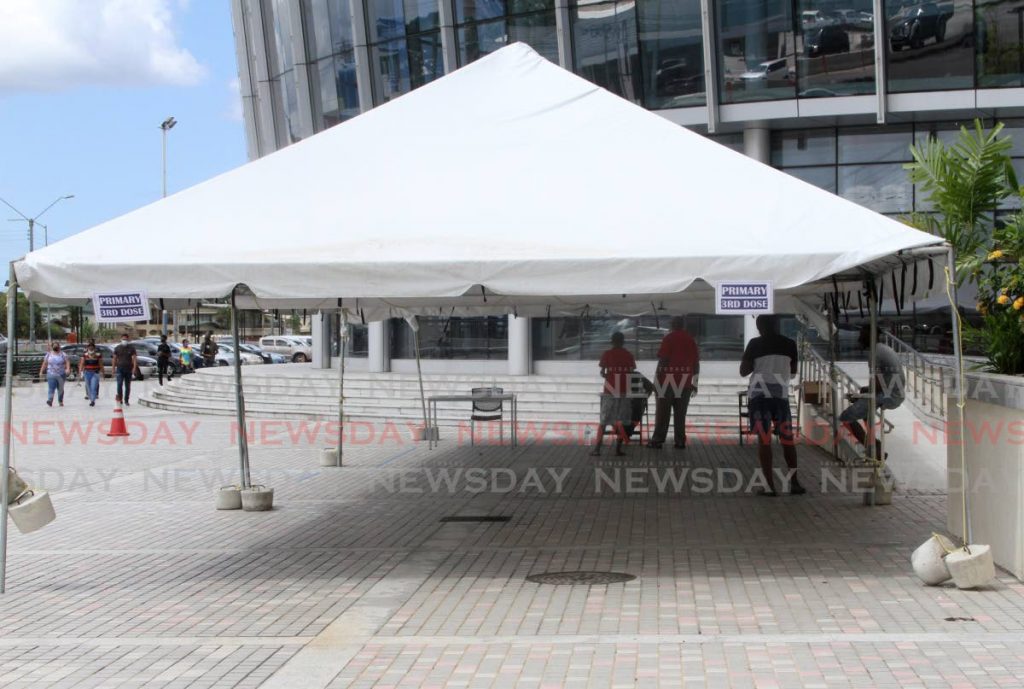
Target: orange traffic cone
(117,425)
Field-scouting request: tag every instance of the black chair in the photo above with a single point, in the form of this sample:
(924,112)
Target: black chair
(486,410)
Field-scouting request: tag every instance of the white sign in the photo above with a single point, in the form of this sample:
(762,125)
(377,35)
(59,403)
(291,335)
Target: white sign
(119,307)
(747,297)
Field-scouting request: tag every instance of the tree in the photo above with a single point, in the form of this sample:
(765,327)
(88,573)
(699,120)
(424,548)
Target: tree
(20,314)
(966,182)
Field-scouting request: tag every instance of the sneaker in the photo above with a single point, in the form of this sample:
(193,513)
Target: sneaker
(795,488)
(127,403)
(92,404)
(49,403)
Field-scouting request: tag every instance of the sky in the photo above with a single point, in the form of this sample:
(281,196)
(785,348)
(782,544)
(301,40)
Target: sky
(84,86)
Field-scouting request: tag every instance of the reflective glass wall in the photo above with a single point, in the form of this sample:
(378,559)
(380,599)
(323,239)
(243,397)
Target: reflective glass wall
(999,31)
(405,45)
(452,338)
(756,50)
(835,48)
(605,46)
(930,45)
(358,338)
(671,53)
(483,26)
(332,49)
(584,339)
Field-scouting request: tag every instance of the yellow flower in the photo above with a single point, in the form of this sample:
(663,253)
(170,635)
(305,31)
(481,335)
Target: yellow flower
(1018,303)
(1002,300)
(997,254)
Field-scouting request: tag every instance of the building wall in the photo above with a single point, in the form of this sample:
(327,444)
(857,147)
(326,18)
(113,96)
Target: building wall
(798,84)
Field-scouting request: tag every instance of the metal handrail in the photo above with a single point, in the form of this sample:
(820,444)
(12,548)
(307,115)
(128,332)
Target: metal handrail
(839,385)
(928,381)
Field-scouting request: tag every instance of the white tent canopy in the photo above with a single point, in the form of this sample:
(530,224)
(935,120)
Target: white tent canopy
(508,185)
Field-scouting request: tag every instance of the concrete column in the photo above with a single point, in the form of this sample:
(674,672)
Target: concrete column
(379,346)
(756,145)
(520,357)
(321,344)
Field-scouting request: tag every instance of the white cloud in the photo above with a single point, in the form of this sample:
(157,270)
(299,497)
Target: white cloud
(58,44)
(234,112)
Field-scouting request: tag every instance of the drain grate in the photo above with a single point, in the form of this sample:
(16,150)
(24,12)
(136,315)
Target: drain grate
(580,578)
(959,619)
(476,518)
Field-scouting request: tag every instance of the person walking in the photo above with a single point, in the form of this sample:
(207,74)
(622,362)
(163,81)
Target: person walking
(616,366)
(186,357)
(676,383)
(57,367)
(890,391)
(209,350)
(90,368)
(163,361)
(126,365)
(771,360)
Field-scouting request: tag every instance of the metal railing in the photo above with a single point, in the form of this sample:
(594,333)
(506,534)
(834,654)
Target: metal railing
(835,385)
(928,380)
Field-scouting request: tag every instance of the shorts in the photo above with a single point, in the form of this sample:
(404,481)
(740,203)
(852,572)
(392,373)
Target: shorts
(769,414)
(858,411)
(616,410)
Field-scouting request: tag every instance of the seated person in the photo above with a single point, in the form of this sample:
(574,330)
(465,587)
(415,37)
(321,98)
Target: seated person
(890,386)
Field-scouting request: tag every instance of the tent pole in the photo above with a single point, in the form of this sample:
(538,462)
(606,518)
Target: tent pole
(243,442)
(342,341)
(872,364)
(959,388)
(428,432)
(5,487)
(833,340)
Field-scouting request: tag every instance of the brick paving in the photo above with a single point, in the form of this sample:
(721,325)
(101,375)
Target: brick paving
(352,581)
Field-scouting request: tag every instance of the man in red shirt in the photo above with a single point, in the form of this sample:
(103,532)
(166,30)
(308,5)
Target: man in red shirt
(616,408)
(678,366)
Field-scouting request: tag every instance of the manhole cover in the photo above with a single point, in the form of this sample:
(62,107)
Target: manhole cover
(580,578)
(476,518)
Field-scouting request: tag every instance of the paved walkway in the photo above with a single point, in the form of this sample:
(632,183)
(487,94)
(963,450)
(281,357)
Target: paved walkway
(353,580)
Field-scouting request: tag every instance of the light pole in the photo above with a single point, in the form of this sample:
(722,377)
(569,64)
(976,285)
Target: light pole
(31,247)
(165,126)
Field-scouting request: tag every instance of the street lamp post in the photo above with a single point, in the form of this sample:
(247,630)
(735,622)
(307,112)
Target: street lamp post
(31,247)
(165,126)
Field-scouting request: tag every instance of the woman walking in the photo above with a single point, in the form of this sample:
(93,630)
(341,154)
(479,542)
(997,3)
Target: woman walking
(57,366)
(90,367)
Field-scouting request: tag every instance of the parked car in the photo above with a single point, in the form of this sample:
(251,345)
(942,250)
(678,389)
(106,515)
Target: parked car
(772,72)
(295,349)
(916,24)
(268,357)
(147,364)
(149,348)
(826,40)
(226,356)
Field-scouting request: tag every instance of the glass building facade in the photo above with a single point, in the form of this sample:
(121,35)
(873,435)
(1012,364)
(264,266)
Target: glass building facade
(822,89)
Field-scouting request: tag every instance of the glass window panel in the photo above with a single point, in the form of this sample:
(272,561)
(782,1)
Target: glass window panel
(537,31)
(836,51)
(821,177)
(1000,41)
(426,61)
(358,339)
(478,10)
(339,95)
(605,47)
(756,50)
(930,45)
(524,6)
(421,15)
(385,19)
(575,339)
(400,66)
(477,40)
(283,58)
(1015,130)
(452,338)
(672,53)
(872,145)
(882,188)
(332,26)
(816,147)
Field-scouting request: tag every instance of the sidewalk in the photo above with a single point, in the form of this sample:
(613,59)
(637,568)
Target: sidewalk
(353,580)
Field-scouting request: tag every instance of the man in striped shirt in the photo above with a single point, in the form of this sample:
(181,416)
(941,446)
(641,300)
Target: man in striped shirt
(771,360)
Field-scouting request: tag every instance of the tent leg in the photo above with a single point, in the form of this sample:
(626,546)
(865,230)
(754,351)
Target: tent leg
(428,432)
(872,367)
(954,313)
(243,442)
(833,342)
(342,342)
(5,487)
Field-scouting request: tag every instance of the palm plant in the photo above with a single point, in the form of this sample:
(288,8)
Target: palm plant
(966,182)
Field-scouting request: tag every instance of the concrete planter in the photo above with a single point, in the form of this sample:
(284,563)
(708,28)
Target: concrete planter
(971,567)
(229,498)
(31,511)
(993,443)
(929,560)
(257,499)
(329,457)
